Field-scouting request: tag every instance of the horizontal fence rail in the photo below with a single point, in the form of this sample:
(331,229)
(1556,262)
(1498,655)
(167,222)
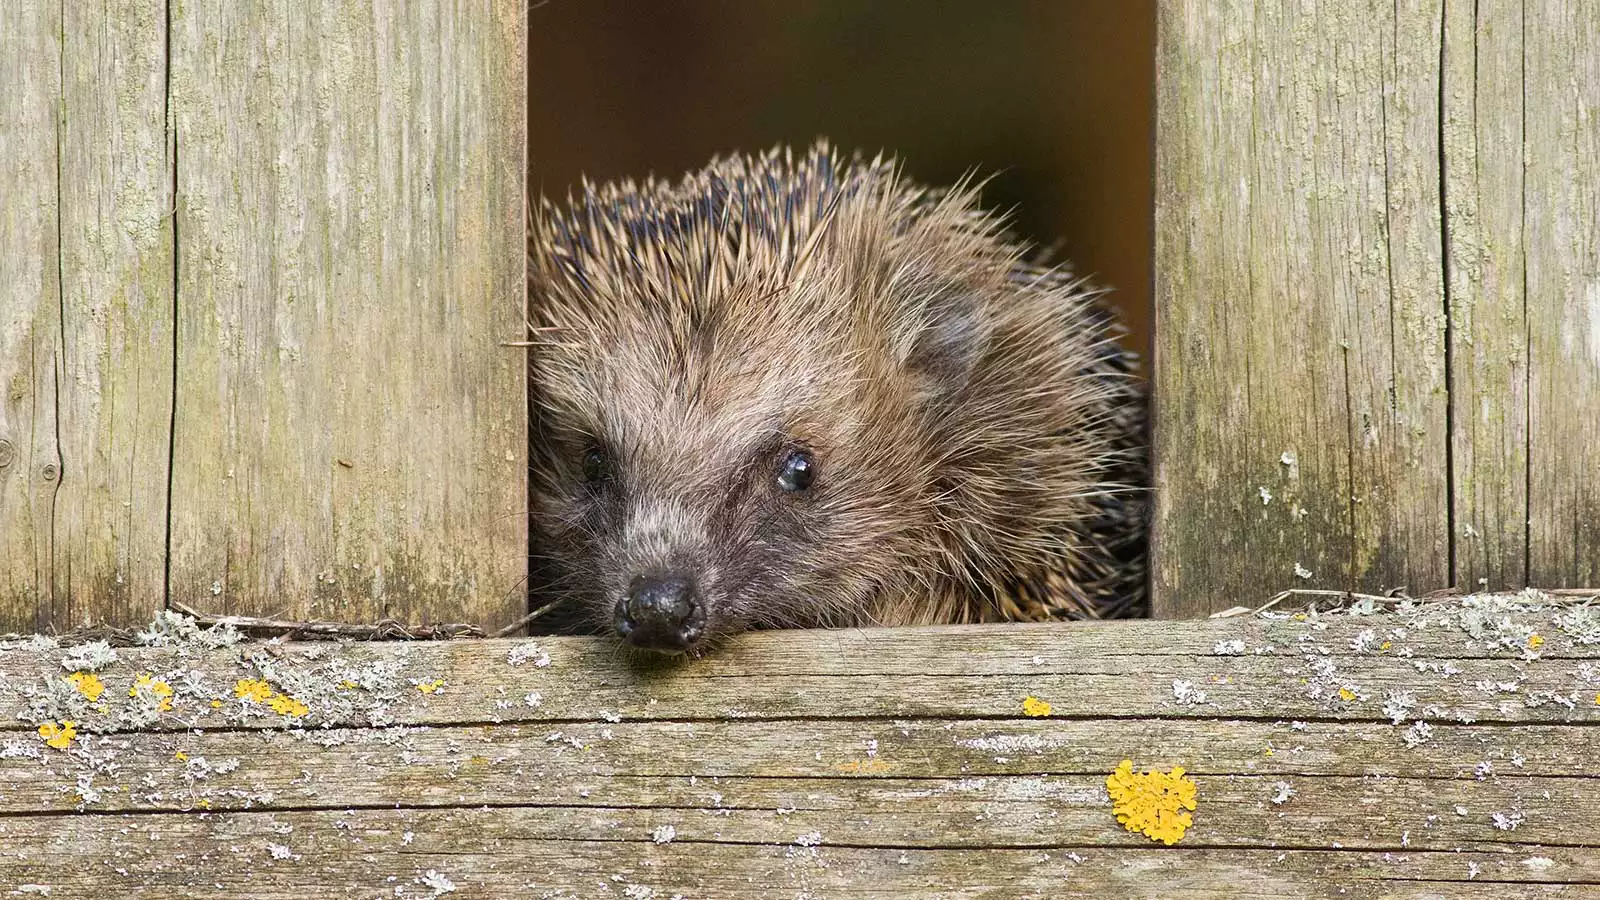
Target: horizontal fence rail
(1443,750)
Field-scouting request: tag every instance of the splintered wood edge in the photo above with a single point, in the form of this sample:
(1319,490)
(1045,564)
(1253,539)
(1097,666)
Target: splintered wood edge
(1450,743)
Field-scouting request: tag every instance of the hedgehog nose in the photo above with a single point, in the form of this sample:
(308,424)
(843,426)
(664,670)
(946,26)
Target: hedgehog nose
(661,614)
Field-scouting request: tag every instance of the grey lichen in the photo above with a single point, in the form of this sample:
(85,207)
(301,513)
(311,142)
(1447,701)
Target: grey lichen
(90,657)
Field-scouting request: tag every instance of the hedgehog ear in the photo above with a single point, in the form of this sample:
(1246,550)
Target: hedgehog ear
(950,337)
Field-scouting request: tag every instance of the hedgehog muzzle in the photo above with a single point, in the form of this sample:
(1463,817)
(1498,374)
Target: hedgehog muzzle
(661,613)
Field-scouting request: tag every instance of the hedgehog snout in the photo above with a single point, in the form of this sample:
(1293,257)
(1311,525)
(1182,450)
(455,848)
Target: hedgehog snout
(661,613)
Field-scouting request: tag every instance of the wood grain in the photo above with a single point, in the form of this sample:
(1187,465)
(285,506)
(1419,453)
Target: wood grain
(1483,215)
(114,413)
(862,763)
(345,261)
(290,855)
(1376,250)
(1562,231)
(350,438)
(1301,411)
(1401,532)
(30,307)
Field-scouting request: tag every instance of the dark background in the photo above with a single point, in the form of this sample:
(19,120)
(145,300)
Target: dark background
(1054,96)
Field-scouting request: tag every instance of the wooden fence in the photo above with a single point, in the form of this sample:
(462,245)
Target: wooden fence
(1378,297)
(257,262)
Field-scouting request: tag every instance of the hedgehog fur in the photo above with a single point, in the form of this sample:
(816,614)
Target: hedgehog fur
(971,427)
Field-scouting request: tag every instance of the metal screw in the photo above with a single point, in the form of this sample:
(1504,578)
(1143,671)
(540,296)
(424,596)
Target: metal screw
(7,453)
(50,472)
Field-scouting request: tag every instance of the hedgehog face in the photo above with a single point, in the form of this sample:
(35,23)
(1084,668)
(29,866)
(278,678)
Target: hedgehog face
(791,392)
(696,491)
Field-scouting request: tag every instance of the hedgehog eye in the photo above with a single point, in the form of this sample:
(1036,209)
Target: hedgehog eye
(797,472)
(596,465)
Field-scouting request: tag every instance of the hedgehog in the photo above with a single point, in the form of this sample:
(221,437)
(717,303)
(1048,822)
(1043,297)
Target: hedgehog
(800,390)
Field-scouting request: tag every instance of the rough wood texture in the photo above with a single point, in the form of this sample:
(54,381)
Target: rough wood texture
(30,306)
(1485,266)
(345,262)
(85,313)
(1562,220)
(1358,265)
(1299,360)
(351,438)
(114,401)
(1415,753)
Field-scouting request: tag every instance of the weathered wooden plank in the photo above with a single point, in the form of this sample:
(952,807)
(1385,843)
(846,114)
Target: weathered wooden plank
(30,305)
(1398,395)
(1561,215)
(1266,122)
(660,763)
(1525,664)
(923,784)
(1302,408)
(1545,691)
(1342,753)
(1483,214)
(350,438)
(115,379)
(537,852)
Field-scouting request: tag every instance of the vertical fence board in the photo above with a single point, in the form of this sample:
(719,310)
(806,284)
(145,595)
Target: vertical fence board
(1397,372)
(1300,412)
(116,354)
(30,306)
(1403,521)
(1563,290)
(350,438)
(1482,149)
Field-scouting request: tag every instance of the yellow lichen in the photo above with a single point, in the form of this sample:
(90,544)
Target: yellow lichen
(149,686)
(863,767)
(258,691)
(88,684)
(284,704)
(1152,803)
(181,756)
(1535,642)
(59,735)
(1384,646)
(216,704)
(428,687)
(1346,694)
(1033,706)
(252,689)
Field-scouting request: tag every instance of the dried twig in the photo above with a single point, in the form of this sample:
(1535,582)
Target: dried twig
(522,623)
(383,629)
(1592,593)
(1390,599)
(83,634)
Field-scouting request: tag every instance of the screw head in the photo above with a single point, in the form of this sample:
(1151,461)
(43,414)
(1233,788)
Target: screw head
(8,452)
(51,471)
